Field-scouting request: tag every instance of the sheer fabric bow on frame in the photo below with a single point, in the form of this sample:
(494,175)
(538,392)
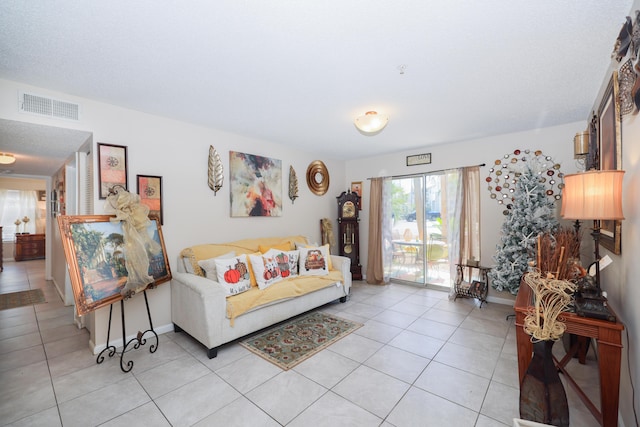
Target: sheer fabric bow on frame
(137,243)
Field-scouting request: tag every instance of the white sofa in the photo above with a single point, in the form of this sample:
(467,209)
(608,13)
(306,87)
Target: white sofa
(199,305)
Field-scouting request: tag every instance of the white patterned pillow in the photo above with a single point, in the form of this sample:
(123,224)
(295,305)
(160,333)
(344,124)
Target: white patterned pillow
(233,273)
(287,261)
(266,270)
(209,265)
(306,245)
(314,261)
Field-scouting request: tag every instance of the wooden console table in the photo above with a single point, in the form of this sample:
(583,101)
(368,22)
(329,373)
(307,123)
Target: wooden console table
(29,246)
(609,338)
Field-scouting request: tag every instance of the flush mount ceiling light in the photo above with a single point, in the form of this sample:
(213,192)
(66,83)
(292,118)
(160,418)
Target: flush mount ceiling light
(7,159)
(371,122)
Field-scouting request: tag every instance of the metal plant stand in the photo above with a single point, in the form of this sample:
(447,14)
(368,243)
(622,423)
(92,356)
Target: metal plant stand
(138,341)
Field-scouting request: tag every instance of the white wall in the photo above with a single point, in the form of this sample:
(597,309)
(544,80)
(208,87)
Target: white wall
(556,142)
(621,279)
(178,152)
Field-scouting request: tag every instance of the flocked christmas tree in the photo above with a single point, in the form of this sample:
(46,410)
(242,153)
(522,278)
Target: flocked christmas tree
(531,214)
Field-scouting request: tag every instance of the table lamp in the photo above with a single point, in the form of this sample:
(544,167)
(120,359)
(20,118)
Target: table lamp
(594,195)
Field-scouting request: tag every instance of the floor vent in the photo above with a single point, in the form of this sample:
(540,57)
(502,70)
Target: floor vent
(49,107)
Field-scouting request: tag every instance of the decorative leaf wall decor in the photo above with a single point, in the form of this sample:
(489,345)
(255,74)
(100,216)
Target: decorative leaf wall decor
(216,170)
(293,185)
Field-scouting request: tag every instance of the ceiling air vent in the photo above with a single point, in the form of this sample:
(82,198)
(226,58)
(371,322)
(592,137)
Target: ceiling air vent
(49,107)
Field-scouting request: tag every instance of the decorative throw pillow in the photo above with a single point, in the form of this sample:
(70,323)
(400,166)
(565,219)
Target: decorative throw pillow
(328,250)
(252,275)
(306,245)
(266,270)
(209,265)
(233,273)
(286,246)
(287,261)
(313,261)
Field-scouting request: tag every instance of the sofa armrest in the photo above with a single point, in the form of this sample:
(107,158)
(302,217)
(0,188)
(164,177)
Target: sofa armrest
(199,284)
(198,306)
(343,264)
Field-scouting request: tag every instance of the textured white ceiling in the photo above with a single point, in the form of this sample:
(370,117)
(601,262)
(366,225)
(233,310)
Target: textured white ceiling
(297,72)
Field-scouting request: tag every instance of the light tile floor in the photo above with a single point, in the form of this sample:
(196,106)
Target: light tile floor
(419,360)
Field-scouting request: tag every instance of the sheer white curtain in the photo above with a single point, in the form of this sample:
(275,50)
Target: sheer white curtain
(15,205)
(387,227)
(453,188)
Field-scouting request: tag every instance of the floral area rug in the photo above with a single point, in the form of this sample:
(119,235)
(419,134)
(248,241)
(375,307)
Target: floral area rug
(287,344)
(21,298)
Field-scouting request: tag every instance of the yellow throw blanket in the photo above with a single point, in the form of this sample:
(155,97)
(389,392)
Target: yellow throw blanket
(288,288)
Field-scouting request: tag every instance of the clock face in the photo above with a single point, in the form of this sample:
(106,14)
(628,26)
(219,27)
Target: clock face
(349,210)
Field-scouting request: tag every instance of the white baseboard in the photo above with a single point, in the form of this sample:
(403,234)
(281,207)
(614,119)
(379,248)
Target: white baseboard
(117,342)
(60,291)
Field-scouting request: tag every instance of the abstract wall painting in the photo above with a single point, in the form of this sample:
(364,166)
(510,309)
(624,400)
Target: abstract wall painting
(255,185)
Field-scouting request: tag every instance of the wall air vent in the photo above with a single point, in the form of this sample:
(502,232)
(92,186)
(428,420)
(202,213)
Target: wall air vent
(48,107)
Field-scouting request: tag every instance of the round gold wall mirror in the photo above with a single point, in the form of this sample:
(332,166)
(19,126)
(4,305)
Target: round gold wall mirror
(318,178)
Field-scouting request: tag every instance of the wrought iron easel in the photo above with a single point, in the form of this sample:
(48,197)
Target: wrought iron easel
(137,341)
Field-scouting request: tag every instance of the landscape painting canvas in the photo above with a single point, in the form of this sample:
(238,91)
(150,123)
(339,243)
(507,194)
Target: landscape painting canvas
(256,185)
(94,250)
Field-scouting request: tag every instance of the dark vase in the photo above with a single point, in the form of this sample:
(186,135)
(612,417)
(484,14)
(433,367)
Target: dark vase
(542,396)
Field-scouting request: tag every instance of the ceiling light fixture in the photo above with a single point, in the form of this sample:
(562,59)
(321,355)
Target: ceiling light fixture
(7,159)
(371,122)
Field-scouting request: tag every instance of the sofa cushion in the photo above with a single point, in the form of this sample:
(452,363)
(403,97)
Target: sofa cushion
(195,253)
(287,261)
(209,265)
(266,270)
(315,245)
(314,261)
(233,274)
(286,246)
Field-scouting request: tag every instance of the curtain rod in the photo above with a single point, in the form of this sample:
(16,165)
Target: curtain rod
(423,173)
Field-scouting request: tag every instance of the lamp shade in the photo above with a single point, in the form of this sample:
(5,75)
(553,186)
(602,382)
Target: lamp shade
(593,195)
(7,159)
(371,122)
(581,144)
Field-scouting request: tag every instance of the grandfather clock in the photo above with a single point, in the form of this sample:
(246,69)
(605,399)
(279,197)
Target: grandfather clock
(349,226)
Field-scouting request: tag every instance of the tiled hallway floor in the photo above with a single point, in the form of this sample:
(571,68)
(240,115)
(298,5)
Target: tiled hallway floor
(419,360)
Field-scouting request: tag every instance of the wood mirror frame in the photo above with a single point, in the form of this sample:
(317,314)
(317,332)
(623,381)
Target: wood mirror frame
(317,178)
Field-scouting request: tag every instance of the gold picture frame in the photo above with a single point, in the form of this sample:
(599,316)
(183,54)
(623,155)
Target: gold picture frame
(97,265)
(609,131)
(356,187)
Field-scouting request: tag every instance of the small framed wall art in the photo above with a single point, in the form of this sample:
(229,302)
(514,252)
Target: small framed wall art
(356,187)
(419,159)
(112,167)
(149,188)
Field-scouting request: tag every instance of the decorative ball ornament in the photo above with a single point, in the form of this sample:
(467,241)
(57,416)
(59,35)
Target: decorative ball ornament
(506,171)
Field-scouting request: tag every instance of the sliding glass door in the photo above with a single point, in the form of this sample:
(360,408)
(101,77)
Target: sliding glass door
(419,238)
